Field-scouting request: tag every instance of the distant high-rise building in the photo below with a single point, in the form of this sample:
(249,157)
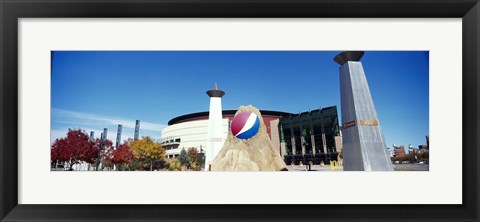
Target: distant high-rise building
(390,152)
(364,147)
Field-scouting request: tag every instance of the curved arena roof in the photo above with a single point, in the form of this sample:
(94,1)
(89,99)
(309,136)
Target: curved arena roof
(201,115)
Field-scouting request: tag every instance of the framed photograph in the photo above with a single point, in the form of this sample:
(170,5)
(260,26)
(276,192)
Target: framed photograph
(227,110)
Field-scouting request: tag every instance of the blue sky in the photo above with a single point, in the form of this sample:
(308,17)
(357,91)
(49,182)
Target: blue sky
(93,90)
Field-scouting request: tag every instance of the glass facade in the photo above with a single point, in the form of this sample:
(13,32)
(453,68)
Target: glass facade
(310,136)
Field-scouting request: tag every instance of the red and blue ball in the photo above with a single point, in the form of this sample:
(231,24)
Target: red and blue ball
(245,125)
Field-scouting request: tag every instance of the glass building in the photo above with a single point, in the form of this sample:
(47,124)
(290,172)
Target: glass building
(309,137)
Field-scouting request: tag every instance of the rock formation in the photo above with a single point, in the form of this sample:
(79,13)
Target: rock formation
(254,154)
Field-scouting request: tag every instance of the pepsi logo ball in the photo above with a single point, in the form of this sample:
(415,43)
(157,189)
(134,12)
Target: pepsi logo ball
(245,125)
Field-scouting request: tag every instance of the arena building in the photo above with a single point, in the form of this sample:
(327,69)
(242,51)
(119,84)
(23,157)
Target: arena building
(312,136)
(191,130)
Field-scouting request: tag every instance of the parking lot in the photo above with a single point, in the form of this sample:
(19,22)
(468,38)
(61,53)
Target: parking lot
(313,168)
(411,167)
(397,167)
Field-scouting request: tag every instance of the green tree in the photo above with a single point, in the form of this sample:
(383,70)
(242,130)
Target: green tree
(192,157)
(183,157)
(175,165)
(148,150)
(200,160)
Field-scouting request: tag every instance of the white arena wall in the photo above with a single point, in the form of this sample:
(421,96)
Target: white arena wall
(191,134)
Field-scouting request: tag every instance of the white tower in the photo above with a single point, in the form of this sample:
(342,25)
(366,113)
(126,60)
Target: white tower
(215,129)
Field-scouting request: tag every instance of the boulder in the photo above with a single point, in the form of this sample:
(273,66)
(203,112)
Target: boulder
(254,154)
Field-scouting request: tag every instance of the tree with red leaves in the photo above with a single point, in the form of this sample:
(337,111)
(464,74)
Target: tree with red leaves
(123,156)
(107,154)
(74,148)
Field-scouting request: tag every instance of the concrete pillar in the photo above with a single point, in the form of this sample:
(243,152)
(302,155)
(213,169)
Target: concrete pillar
(324,141)
(92,136)
(302,140)
(294,151)
(364,147)
(275,136)
(312,138)
(283,144)
(294,146)
(283,149)
(137,130)
(119,135)
(105,130)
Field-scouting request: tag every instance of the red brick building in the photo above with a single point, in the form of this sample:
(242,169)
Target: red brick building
(398,151)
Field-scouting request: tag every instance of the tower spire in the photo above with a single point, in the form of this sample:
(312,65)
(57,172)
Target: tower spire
(215,92)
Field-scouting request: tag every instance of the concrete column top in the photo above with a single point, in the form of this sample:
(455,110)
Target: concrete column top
(215,93)
(346,56)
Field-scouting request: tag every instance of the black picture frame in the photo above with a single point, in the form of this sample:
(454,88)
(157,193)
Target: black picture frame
(11,11)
